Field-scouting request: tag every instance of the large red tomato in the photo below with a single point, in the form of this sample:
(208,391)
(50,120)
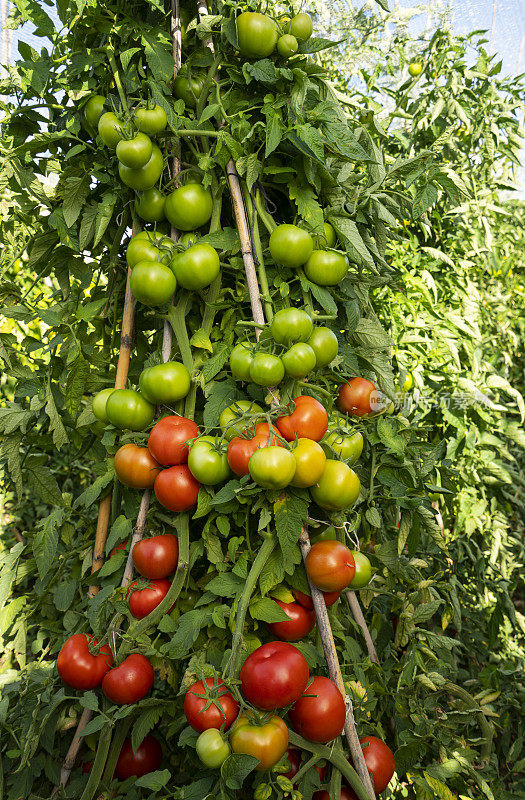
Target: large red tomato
(356,397)
(222,711)
(168,440)
(78,667)
(379,760)
(306,599)
(241,449)
(176,488)
(274,675)
(319,715)
(300,624)
(135,466)
(156,557)
(147,758)
(330,566)
(143,601)
(130,681)
(308,420)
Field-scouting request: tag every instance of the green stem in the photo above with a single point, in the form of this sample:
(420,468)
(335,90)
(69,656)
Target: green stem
(336,758)
(177,318)
(261,558)
(197,132)
(95,775)
(141,626)
(310,763)
(486,727)
(253,219)
(266,218)
(114,752)
(118,83)
(201,103)
(316,387)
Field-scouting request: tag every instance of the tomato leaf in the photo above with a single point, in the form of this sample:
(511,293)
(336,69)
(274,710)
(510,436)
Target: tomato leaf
(236,768)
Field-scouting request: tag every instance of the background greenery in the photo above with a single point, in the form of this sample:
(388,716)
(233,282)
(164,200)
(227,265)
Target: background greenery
(452,301)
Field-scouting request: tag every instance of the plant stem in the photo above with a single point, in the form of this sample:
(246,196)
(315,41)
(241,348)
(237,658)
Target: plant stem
(266,218)
(95,775)
(114,752)
(310,763)
(336,758)
(253,219)
(118,83)
(261,558)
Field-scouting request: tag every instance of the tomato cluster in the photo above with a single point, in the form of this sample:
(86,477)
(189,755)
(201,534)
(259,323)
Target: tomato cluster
(307,348)
(258,35)
(295,248)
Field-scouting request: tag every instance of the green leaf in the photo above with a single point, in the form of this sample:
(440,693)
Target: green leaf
(43,483)
(220,395)
(291,512)
(267,610)
(347,231)
(272,573)
(10,449)
(424,199)
(263,70)
(274,131)
(236,768)
(158,55)
(56,425)
(144,724)
(45,541)
(226,240)
(8,564)
(104,214)
(75,192)
(64,594)
(87,225)
(307,204)
(392,440)
(76,385)
(93,492)
(425,611)
(154,780)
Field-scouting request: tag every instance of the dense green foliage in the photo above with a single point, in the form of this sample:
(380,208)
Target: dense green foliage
(414,194)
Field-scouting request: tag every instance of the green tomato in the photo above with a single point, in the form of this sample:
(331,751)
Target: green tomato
(98,404)
(301,26)
(110,129)
(234,412)
(323,342)
(136,152)
(152,283)
(189,207)
(329,534)
(257,34)
(189,239)
(145,177)
(408,383)
(415,69)
(128,409)
(196,267)
(212,748)
(290,246)
(337,488)
(348,446)
(299,360)
(287,45)
(165,383)
(151,120)
(148,246)
(363,571)
(188,88)
(326,240)
(291,325)
(241,358)
(150,205)
(326,268)
(208,462)
(272,467)
(266,370)
(94,109)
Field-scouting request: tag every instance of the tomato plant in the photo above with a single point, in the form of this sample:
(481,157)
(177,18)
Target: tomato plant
(78,666)
(298,625)
(308,420)
(274,675)
(157,556)
(266,741)
(130,681)
(135,466)
(319,715)
(209,704)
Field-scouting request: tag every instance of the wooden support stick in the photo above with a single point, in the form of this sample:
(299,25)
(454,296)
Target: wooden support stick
(353,602)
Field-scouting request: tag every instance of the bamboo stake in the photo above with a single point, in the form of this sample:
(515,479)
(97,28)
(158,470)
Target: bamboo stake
(334,671)
(353,602)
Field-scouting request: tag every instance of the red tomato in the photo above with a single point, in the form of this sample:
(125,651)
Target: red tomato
(157,556)
(330,566)
(176,488)
(306,600)
(143,601)
(274,675)
(308,420)
(319,715)
(121,546)
(346,794)
(294,758)
(130,681)
(221,712)
(135,466)
(168,440)
(379,760)
(301,622)
(147,758)
(78,667)
(356,397)
(241,449)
